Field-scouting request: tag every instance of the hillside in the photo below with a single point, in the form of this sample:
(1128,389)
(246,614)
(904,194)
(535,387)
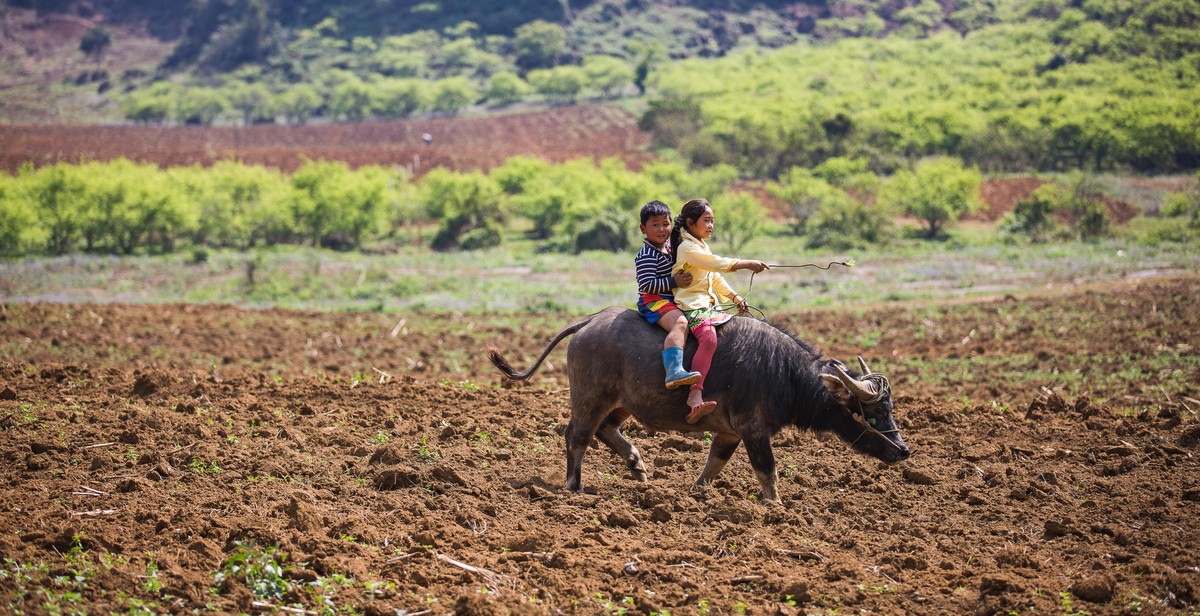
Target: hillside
(46,77)
(764,87)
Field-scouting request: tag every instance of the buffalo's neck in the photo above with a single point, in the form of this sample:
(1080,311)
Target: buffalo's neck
(819,411)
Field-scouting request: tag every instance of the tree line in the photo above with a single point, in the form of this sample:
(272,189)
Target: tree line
(124,207)
(318,74)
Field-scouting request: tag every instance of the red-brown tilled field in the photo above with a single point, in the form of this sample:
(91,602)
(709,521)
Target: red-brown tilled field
(145,448)
(458,143)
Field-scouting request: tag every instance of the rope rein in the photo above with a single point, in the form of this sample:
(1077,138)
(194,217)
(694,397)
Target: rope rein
(729,307)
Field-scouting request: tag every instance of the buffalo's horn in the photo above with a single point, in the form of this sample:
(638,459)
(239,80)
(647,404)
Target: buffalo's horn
(864,390)
(863,363)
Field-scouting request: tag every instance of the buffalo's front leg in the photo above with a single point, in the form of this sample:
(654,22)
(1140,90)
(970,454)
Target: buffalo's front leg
(610,434)
(762,460)
(722,448)
(580,431)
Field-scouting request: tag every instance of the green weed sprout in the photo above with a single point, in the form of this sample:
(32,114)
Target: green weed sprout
(259,568)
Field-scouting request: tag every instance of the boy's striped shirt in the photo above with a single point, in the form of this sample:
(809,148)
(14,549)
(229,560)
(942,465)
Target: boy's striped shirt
(653,268)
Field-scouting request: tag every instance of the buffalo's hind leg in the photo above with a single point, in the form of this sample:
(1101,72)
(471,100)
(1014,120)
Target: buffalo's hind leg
(722,448)
(610,434)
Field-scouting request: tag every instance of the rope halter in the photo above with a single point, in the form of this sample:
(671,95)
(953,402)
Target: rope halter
(870,389)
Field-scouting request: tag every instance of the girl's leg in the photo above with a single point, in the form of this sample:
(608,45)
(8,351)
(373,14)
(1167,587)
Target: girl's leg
(672,356)
(706,335)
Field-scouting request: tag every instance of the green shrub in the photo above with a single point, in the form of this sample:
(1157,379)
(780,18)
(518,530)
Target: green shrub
(704,149)
(740,218)
(486,235)
(546,207)
(398,98)
(561,83)
(200,106)
(151,105)
(299,102)
(518,172)
(671,120)
(1033,216)
(236,205)
(256,103)
(1082,204)
(938,191)
(56,193)
(608,74)
(134,205)
(21,232)
(803,193)
(335,207)
(603,233)
(462,202)
(539,44)
(842,222)
(851,174)
(452,95)
(351,100)
(1184,205)
(505,88)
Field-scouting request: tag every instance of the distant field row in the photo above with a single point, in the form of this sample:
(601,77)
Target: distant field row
(515,277)
(465,143)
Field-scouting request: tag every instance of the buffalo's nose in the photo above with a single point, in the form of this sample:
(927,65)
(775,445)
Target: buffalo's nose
(903,454)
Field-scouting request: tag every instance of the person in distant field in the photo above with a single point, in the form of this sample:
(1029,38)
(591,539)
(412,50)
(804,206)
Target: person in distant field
(655,281)
(700,300)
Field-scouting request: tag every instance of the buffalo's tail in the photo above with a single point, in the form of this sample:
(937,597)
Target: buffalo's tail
(510,372)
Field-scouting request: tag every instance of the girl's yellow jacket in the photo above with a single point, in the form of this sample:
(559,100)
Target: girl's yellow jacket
(708,285)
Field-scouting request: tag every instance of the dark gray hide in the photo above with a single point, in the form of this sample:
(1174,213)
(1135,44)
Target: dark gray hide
(762,379)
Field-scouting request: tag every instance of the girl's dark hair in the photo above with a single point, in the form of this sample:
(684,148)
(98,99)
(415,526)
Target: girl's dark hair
(690,213)
(654,208)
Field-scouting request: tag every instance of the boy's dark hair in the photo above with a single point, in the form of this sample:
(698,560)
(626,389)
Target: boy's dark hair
(689,213)
(655,208)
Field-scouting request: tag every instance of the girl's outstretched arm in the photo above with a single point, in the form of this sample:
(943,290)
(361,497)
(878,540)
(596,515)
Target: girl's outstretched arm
(699,258)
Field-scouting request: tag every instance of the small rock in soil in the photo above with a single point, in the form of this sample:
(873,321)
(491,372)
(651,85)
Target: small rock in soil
(1096,589)
(919,477)
(1056,529)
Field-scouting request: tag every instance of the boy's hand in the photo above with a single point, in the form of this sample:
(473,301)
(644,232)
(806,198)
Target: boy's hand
(742,306)
(683,279)
(755,266)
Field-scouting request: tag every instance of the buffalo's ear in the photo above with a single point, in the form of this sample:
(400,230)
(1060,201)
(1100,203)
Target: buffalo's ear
(836,389)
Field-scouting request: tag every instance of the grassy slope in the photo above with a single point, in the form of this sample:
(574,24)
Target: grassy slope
(43,75)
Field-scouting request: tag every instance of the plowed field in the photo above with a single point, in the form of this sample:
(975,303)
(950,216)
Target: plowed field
(458,143)
(145,449)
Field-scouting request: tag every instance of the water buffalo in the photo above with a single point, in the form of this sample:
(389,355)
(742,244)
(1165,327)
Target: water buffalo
(762,378)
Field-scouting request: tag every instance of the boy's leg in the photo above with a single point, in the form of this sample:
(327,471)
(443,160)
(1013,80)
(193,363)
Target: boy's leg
(676,326)
(672,356)
(706,335)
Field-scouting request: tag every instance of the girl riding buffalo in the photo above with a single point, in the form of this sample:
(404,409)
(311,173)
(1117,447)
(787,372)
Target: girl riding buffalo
(700,301)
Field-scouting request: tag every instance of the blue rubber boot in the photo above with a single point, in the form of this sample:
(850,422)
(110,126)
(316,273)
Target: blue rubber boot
(676,376)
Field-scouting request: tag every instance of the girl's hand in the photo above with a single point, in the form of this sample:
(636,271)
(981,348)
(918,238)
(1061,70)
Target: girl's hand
(742,306)
(683,279)
(754,266)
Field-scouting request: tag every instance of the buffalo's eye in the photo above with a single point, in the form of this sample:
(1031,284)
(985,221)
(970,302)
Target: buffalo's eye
(871,421)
